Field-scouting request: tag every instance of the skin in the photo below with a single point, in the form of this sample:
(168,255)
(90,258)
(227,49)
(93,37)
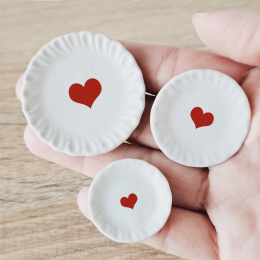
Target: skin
(216,210)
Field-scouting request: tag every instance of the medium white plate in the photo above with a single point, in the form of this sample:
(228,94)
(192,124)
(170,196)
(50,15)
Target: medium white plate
(149,210)
(200,139)
(75,128)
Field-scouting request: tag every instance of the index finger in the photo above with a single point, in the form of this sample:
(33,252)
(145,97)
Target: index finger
(160,63)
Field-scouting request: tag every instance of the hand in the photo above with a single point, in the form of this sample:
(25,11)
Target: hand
(216,210)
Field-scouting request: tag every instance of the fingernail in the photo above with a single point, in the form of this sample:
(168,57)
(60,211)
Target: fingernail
(78,194)
(201,15)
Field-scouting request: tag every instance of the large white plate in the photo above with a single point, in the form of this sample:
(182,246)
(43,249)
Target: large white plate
(71,127)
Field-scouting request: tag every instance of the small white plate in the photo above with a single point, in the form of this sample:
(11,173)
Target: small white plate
(200,118)
(83,94)
(129,200)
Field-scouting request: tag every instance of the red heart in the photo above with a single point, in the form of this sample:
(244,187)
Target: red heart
(129,202)
(85,95)
(201,119)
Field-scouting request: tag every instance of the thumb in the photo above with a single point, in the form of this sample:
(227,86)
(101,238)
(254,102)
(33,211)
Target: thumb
(233,34)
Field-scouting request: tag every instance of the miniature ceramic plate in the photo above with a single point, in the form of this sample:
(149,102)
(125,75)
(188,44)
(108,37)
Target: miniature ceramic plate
(129,200)
(200,118)
(83,94)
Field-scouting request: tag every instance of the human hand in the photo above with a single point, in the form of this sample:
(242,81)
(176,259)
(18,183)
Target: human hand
(215,212)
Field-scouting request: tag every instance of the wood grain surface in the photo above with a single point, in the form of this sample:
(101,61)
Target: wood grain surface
(39,217)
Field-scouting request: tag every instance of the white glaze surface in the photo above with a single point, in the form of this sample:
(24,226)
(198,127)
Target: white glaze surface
(174,130)
(119,179)
(73,128)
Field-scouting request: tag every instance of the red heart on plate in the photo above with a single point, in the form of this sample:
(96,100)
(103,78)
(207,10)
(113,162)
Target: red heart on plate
(129,202)
(85,95)
(201,119)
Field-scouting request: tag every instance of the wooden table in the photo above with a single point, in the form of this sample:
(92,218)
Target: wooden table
(39,217)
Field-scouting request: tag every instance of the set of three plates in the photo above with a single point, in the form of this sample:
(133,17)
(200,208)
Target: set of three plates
(84,94)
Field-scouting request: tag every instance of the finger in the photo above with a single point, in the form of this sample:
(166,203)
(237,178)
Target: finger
(82,201)
(233,34)
(41,149)
(251,86)
(142,135)
(160,63)
(189,186)
(186,234)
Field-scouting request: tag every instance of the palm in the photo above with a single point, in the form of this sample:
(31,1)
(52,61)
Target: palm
(233,208)
(228,192)
(234,189)
(215,212)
